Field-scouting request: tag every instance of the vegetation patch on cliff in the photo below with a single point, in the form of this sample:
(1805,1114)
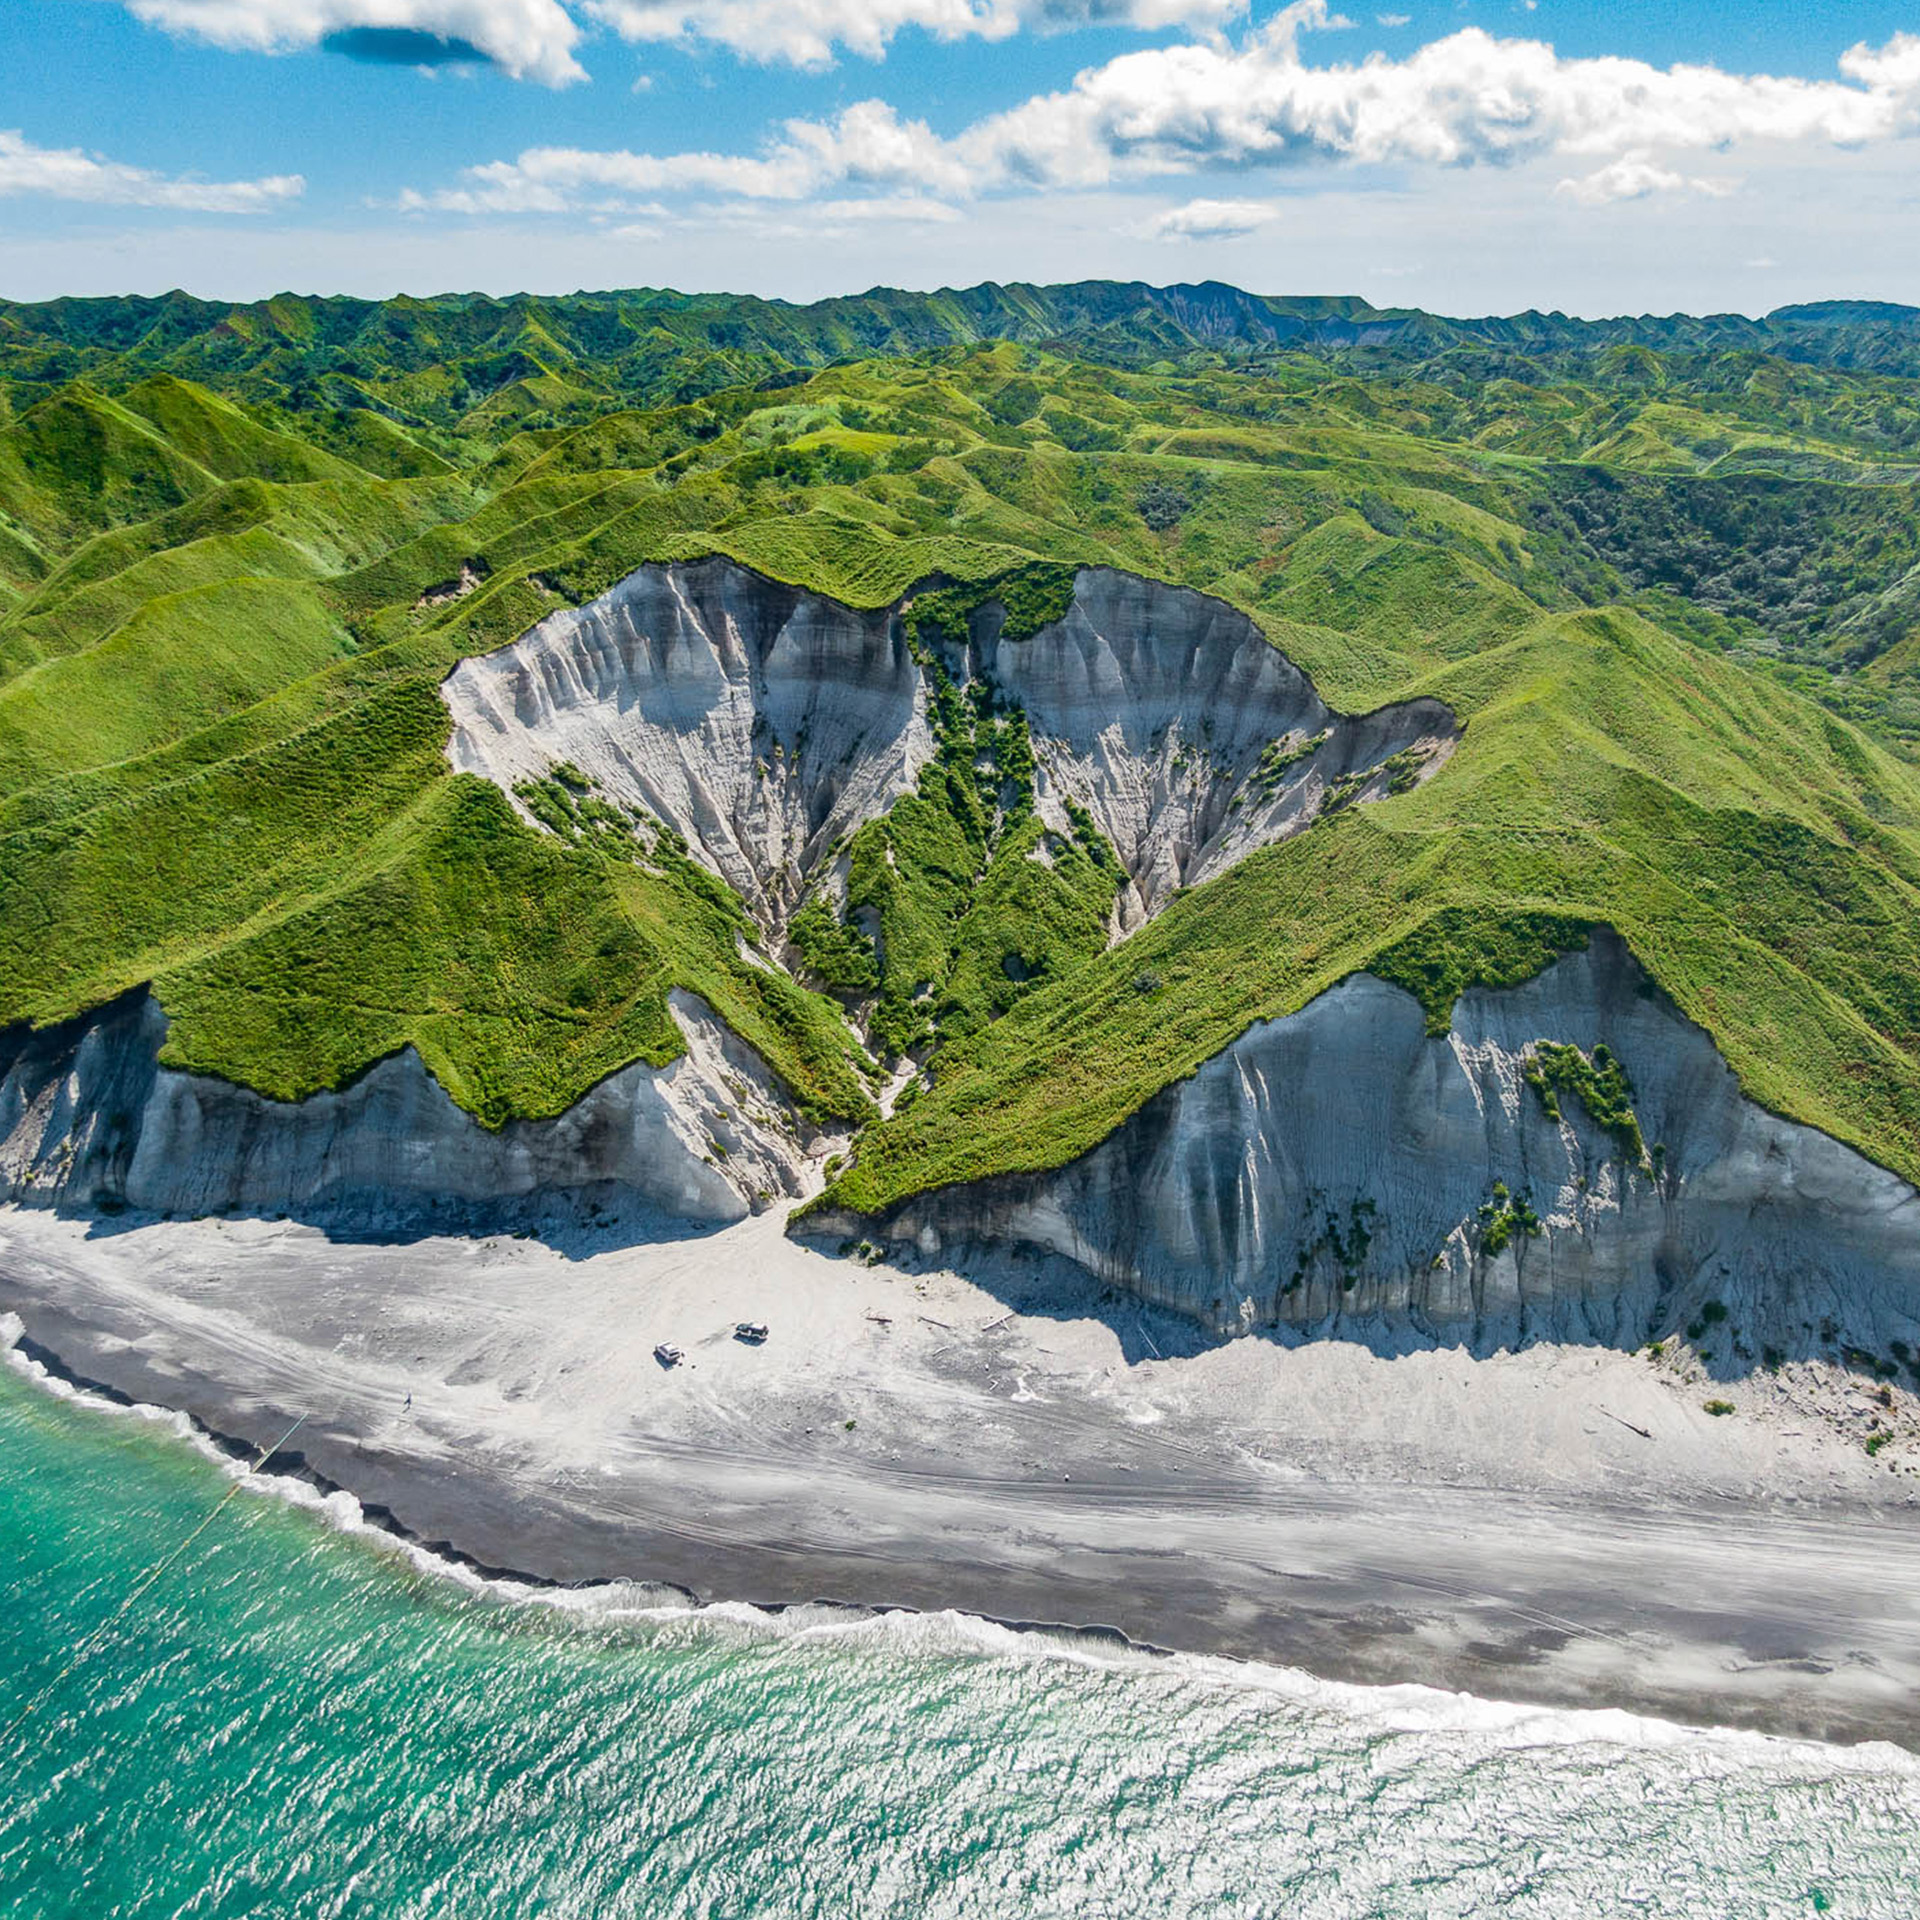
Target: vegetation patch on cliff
(973,900)
(1598,1081)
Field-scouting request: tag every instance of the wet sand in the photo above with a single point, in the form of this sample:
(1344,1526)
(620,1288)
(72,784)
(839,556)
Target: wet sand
(1564,1525)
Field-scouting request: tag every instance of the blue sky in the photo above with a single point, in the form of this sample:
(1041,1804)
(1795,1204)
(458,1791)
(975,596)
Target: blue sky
(1473,157)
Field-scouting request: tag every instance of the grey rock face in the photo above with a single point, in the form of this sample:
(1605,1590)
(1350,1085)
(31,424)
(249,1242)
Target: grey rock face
(1328,1171)
(762,723)
(1151,707)
(758,721)
(90,1119)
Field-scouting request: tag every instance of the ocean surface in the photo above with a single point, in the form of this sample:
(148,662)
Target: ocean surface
(295,1718)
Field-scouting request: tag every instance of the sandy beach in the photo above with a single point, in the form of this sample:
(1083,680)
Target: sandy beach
(1565,1524)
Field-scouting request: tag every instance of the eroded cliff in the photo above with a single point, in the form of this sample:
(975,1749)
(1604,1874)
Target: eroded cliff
(1344,1168)
(762,724)
(759,722)
(90,1120)
(1186,734)
(1572,1159)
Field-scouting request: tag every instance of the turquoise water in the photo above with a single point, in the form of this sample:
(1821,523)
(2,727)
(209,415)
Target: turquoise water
(297,1721)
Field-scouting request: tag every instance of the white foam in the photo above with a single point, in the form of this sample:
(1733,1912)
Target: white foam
(948,1633)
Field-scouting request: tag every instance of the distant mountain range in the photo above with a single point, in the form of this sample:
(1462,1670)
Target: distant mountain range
(655,344)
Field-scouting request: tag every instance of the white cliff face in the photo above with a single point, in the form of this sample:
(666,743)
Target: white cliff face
(1151,706)
(760,722)
(1329,1170)
(763,723)
(89,1119)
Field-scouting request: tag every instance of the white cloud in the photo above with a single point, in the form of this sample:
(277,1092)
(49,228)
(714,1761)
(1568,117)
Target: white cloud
(1467,100)
(1213,220)
(806,33)
(866,145)
(1634,177)
(530,39)
(67,173)
(906,209)
(535,39)
(1394,19)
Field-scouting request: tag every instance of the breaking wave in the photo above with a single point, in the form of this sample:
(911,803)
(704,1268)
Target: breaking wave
(315,1725)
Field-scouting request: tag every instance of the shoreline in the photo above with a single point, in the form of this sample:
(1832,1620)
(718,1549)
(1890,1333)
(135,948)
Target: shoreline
(1401,1705)
(1159,1520)
(278,1470)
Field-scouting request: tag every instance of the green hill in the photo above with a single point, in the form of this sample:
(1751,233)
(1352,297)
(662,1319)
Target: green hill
(1664,571)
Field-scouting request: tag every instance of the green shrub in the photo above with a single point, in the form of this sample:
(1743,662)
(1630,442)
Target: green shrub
(835,952)
(1162,505)
(1599,1082)
(1457,948)
(1502,1216)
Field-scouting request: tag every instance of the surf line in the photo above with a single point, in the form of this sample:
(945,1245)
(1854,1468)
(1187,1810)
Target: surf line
(141,1587)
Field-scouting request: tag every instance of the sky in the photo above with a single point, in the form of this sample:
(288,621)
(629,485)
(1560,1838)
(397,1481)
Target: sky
(1469,156)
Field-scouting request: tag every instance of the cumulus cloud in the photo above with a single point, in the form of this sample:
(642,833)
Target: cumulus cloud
(806,33)
(67,173)
(867,145)
(1470,99)
(530,39)
(535,39)
(1467,100)
(1635,177)
(1212,220)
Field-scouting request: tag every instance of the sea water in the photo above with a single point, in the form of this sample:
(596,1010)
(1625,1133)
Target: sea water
(298,1718)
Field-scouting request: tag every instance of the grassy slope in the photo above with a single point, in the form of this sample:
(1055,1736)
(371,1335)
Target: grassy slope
(221,753)
(958,901)
(1790,932)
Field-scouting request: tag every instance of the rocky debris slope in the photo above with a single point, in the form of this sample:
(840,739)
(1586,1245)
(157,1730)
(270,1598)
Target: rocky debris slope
(1344,1170)
(762,723)
(90,1119)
